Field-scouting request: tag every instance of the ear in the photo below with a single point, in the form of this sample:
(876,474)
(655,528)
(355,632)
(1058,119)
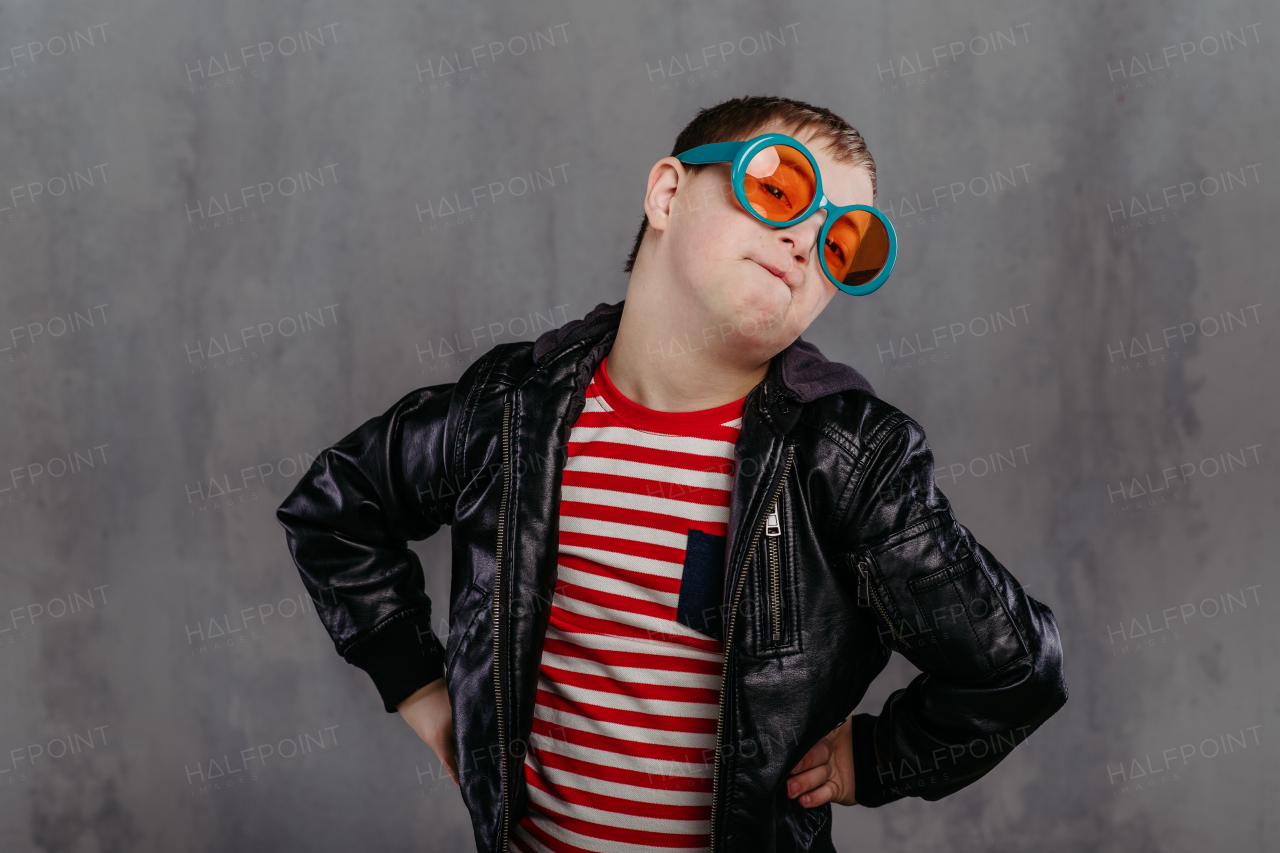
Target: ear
(665,179)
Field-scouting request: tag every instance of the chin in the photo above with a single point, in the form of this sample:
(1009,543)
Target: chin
(762,330)
(754,307)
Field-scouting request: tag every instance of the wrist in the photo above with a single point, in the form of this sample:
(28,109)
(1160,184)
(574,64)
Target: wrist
(401,658)
(869,779)
(421,695)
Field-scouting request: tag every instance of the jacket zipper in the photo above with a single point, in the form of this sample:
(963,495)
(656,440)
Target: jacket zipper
(728,644)
(497,612)
(773,531)
(866,593)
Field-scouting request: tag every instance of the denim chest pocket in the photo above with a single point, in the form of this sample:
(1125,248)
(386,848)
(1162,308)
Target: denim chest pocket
(973,633)
(702,584)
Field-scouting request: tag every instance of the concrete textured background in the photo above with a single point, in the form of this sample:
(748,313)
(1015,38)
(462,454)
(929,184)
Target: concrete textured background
(121,281)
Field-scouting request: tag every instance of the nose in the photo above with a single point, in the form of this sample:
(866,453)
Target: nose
(801,238)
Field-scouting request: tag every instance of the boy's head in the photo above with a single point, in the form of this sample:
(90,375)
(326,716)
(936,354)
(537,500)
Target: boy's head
(700,254)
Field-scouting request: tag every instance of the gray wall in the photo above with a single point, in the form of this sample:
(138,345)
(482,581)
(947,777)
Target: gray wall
(117,270)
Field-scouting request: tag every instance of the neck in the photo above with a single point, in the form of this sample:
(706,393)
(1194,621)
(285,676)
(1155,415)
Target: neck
(669,357)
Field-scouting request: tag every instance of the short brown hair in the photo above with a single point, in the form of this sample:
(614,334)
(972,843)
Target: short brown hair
(739,118)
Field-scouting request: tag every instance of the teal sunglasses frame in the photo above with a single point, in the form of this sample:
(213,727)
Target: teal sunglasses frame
(740,155)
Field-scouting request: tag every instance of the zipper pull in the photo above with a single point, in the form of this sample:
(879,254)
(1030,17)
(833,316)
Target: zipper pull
(864,585)
(771,525)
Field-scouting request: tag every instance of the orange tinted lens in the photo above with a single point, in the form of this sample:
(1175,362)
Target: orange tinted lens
(780,183)
(857,247)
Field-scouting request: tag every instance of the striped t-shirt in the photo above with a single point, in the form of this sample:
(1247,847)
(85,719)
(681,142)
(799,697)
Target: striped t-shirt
(624,728)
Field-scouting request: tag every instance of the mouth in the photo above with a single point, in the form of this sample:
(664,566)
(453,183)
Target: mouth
(790,277)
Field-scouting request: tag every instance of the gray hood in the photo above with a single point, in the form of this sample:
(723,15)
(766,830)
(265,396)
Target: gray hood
(805,372)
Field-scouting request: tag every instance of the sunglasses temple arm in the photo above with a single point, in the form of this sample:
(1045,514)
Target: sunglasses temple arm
(712,152)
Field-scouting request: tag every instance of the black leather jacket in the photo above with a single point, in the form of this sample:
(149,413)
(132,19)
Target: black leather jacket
(866,558)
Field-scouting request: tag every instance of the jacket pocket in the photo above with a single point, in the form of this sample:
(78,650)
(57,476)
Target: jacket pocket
(474,606)
(892,631)
(935,600)
(959,606)
(773,584)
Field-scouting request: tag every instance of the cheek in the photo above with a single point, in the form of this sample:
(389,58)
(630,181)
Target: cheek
(818,292)
(810,304)
(711,237)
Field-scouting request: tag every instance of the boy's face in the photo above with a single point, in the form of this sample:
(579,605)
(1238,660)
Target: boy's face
(767,282)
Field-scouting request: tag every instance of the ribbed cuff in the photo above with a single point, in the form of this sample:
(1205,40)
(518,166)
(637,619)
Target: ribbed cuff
(869,778)
(401,659)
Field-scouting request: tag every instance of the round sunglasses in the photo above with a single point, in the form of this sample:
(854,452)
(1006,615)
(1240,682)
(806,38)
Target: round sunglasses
(777,181)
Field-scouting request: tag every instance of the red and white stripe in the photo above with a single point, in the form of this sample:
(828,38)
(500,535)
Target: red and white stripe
(624,726)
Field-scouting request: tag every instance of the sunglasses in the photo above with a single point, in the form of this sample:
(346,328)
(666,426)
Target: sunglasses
(777,181)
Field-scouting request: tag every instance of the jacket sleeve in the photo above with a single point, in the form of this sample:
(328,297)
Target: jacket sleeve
(989,654)
(347,524)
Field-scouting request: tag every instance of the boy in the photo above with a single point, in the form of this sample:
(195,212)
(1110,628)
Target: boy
(684,542)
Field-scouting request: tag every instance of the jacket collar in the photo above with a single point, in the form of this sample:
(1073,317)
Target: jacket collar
(800,372)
